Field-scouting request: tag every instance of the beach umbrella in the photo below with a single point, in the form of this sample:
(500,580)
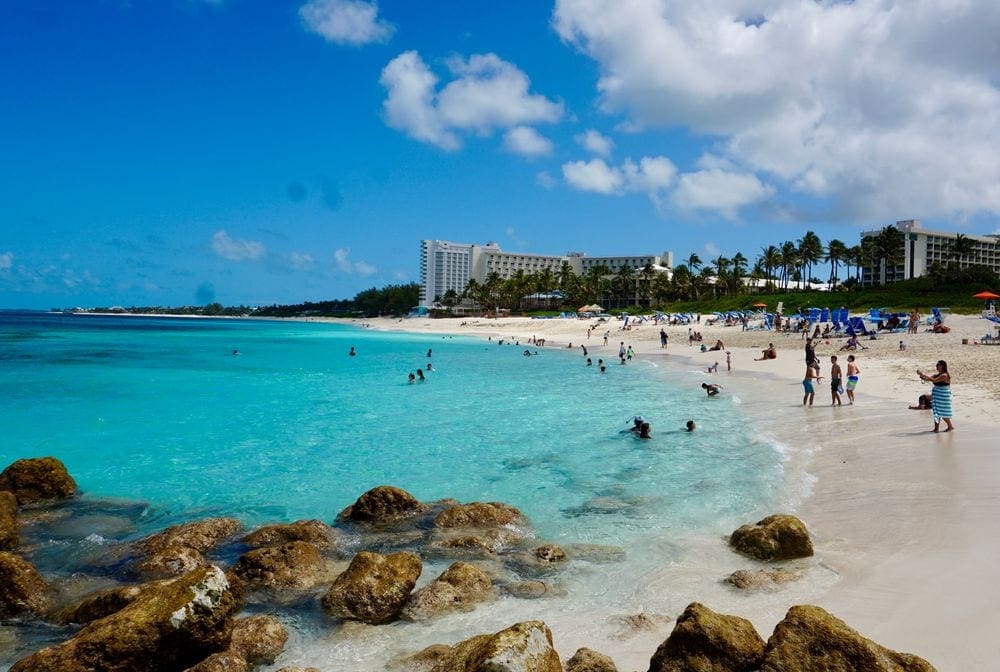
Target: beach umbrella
(760,305)
(986,295)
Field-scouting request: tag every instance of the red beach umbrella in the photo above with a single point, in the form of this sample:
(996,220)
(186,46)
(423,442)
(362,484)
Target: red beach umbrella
(760,305)
(986,295)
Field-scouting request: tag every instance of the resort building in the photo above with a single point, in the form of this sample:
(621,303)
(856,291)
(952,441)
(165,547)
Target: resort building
(445,265)
(922,248)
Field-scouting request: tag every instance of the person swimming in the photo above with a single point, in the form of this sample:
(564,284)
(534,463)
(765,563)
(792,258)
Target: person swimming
(589,363)
(644,430)
(690,426)
(429,367)
(353,352)
(420,375)
(412,378)
(428,352)
(711,390)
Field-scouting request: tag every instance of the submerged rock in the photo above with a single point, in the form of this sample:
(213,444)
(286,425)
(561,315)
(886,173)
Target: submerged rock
(258,639)
(173,625)
(383,504)
(709,642)
(374,587)
(479,514)
(100,604)
(588,660)
(8,521)
(780,537)
(481,544)
(299,669)
(313,531)
(523,647)
(550,553)
(810,638)
(422,661)
(633,624)
(295,565)
(37,479)
(22,588)
(760,579)
(527,590)
(459,588)
(224,661)
(178,549)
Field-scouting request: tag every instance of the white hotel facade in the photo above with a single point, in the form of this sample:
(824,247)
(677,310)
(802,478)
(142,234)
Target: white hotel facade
(924,247)
(445,265)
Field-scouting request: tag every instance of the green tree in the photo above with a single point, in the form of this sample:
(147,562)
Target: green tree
(836,252)
(961,248)
(810,252)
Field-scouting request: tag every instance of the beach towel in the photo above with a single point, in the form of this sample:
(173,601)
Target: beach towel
(941,402)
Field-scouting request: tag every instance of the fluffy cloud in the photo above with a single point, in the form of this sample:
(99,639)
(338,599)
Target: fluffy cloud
(6,261)
(719,190)
(485,94)
(301,261)
(652,176)
(595,143)
(544,180)
(881,107)
(348,22)
(236,250)
(526,141)
(345,265)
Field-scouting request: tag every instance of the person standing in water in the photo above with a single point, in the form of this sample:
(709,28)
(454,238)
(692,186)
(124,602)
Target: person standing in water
(835,374)
(941,394)
(807,383)
(353,352)
(852,378)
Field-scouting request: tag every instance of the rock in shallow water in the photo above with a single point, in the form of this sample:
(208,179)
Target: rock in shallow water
(706,641)
(523,647)
(760,579)
(8,521)
(100,604)
(383,504)
(459,588)
(779,537)
(588,660)
(258,639)
(479,514)
(172,626)
(178,549)
(374,587)
(37,480)
(809,638)
(295,565)
(315,532)
(22,588)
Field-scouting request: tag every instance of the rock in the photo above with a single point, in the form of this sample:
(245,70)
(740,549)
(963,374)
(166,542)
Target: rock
(258,639)
(479,514)
(422,661)
(37,479)
(588,660)
(550,553)
(295,565)
(709,642)
(98,605)
(299,669)
(459,588)
(175,624)
(760,579)
(596,553)
(523,647)
(22,588)
(383,504)
(527,590)
(225,661)
(178,550)
(8,521)
(642,622)
(489,542)
(809,638)
(374,587)
(778,537)
(315,532)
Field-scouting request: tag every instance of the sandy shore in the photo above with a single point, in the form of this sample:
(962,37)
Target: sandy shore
(909,520)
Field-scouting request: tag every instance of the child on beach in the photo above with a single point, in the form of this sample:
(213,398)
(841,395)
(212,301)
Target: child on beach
(852,377)
(714,368)
(835,373)
(812,376)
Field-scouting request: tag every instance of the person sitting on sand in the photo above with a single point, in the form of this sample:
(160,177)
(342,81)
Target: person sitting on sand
(718,345)
(923,403)
(939,328)
(826,331)
(770,353)
(690,426)
(852,343)
(711,389)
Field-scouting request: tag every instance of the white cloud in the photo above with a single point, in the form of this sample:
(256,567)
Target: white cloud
(544,180)
(348,22)
(712,249)
(720,191)
(485,94)
(345,265)
(652,176)
(595,143)
(301,261)
(880,106)
(236,250)
(6,261)
(526,141)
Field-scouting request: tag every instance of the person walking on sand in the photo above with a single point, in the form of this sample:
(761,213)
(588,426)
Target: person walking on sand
(835,374)
(852,378)
(606,334)
(940,395)
(621,350)
(807,383)
(729,361)
(663,338)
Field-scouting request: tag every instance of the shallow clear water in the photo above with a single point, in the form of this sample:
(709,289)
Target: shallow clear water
(160,411)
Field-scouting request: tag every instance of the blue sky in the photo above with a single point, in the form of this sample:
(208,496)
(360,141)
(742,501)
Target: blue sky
(248,151)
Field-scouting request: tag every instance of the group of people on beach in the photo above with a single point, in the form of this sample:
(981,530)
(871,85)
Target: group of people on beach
(643,430)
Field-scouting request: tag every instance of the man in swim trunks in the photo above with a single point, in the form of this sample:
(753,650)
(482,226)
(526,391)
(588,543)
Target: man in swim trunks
(711,390)
(835,374)
(807,384)
(852,377)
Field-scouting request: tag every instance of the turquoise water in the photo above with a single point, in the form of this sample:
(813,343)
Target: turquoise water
(159,410)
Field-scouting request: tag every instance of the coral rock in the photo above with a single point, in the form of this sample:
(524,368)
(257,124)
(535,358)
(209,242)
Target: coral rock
(22,588)
(295,565)
(226,661)
(258,639)
(178,550)
(809,638)
(315,532)
(383,504)
(479,514)
(523,647)
(709,642)
(374,587)
(8,521)
(550,553)
(37,479)
(458,588)
(778,537)
(760,579)
(100,604)
(588,660)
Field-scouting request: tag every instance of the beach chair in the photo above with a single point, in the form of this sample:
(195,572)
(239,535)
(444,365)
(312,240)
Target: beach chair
(825,315)
(937,316)
(813,315)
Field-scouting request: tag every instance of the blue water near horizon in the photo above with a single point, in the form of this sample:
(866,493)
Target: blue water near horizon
(158,410)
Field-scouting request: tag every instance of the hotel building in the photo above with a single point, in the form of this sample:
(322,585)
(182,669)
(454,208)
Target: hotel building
(923,247)
(446,265)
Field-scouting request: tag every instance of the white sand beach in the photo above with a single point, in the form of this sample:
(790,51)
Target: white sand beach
(908,520)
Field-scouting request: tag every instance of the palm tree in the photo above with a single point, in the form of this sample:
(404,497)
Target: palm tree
(771,258)
(566,276)
(810,252)
(625,281)
(888,249)
(683,283)
(693,262)
(961,248)
(852,256)
(789,260)
(836,250)
(646,273)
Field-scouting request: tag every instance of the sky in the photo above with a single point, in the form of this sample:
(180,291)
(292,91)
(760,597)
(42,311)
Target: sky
(179,152)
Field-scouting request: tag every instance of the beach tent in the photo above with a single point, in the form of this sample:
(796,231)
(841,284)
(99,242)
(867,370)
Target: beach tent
(592,308)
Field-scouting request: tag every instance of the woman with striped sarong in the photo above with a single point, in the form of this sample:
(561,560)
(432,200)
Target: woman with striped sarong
(941,395)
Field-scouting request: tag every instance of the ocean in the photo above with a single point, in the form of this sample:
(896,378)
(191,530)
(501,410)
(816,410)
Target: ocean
(274,421)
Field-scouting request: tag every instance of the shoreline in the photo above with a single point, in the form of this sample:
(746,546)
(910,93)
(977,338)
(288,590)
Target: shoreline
(909,520)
